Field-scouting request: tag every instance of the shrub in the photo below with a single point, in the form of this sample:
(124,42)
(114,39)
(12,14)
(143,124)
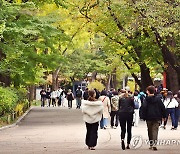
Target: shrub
(8,100)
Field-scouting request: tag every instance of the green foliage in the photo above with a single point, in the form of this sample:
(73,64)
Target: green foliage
(8,100)
(96,84)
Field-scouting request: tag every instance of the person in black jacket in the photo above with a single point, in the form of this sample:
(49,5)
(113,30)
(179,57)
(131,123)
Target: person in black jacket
(85,94)
(153,111)
(126,111)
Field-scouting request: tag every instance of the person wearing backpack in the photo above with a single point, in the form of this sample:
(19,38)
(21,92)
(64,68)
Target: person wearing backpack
(78,97)
(114,109)
(137,104)
(153,111)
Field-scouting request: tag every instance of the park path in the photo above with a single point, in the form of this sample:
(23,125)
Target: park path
(62,131)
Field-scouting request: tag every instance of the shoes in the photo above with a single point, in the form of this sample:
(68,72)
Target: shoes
(114,127)
(122,144)
(153,148)
(91,148)
(172,128)
(127,147)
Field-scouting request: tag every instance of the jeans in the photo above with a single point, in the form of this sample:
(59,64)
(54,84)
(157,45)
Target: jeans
(78,102)
(43,99)
(170,111)
(153,128)
(92,134)
(70,103)
(177,115)
(103,122)
(136,117)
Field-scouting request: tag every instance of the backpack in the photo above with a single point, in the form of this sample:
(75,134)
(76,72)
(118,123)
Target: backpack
(78,93)
(115,102)
(136,104)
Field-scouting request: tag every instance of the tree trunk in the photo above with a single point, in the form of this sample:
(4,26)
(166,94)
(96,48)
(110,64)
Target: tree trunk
(55,79)
(32,93)
(114,79)
(108,82)
(145,77)
(5,79)
(173,80)
(94,74)
(169,57)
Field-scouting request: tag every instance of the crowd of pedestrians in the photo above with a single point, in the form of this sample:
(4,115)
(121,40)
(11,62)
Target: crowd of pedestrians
(122,107)
(126,109)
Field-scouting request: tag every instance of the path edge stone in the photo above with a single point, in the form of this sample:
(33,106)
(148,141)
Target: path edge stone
(18,121)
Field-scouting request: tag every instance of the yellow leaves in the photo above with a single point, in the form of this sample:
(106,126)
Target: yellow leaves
(46,9)
(18,1)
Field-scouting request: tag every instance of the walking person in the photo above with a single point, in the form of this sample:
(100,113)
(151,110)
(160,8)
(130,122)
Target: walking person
(107,109)
(126,110)
(78,97)
(43,97)
(62,97)
(177,110)
(170,104)
(137,105)
(153,111)
(48,97)
(59,91)
(70,98)
(53,97)
(85,94)
(114,110)
(92,112)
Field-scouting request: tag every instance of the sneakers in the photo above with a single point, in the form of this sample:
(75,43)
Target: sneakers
(122,144)
(153,148)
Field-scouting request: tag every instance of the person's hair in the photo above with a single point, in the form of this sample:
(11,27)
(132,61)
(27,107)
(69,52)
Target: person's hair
(123,91)
(178,94)
(135,93)
(69,90)
(92,95)
(170,95)
(115,93)
(104,92)
(151,89)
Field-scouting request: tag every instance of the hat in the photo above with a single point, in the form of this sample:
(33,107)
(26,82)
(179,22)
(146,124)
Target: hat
(127,88)
(165,89)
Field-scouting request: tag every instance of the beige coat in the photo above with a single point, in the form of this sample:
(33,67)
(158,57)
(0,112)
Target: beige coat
(92,111)
(107,106)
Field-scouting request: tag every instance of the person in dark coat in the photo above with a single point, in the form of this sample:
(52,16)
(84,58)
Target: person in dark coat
(153,111)
(85,94)
(126,111)
(70,98)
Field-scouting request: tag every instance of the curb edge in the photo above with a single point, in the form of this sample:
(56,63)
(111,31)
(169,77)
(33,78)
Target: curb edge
(18,121)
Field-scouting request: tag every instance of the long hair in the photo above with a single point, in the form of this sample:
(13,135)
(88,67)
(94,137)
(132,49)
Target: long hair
(178,94)
(92,95)
(169,95)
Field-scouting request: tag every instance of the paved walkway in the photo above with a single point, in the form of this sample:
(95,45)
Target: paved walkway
(62,131)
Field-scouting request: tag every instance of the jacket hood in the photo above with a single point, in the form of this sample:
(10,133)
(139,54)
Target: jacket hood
(151,99)
(93,103)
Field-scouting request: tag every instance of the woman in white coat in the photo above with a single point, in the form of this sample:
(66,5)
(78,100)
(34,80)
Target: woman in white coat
(92,112)
(107,109)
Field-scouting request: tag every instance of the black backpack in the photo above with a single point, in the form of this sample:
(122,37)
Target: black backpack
(78,93)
